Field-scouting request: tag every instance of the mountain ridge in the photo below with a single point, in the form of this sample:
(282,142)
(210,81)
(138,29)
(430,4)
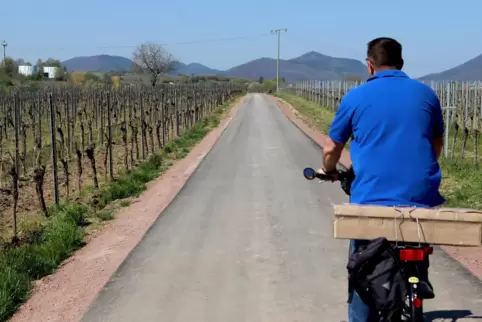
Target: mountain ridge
(98,63)
(470,70)
(309,66)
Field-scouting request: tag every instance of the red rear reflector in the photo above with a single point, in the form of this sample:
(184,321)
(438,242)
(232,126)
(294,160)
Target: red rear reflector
(412,254)
(417,303)
(429,250)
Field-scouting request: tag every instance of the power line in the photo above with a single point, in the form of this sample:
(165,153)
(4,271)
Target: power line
(192,42)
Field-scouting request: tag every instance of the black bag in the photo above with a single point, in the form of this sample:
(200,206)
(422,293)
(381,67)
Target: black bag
(347,180)
(374,272)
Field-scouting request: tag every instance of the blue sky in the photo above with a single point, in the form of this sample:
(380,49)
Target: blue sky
(436,35)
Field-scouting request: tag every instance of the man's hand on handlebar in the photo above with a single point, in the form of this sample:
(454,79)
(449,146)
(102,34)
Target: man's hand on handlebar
(333,175)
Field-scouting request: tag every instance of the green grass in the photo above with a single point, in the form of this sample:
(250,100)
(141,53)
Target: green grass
(52,243)
(125,203)
(105,215)
(313,113)
(461,183)
(44,245)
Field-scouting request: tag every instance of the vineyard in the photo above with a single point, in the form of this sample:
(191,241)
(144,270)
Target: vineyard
(56,144)
(461,103)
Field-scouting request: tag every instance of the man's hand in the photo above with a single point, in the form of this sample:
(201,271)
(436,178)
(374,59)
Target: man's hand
(333,174)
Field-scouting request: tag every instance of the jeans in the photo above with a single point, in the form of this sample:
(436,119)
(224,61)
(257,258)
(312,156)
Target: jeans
(357,310)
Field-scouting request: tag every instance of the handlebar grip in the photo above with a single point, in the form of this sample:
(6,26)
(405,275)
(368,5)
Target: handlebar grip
(326,177)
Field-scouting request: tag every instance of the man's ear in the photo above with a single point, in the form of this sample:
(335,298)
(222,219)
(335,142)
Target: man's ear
(401,64)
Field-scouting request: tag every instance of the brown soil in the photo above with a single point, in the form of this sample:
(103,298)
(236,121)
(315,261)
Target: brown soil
(28,208)
(469,257)
(65,295)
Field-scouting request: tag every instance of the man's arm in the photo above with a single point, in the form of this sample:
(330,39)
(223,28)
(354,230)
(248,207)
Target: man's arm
(340,132)
(438,126)
(331,154)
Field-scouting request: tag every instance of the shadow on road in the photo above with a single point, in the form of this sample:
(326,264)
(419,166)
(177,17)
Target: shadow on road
(450,315)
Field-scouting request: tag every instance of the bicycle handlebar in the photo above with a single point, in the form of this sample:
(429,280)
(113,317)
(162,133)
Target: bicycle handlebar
(311,174)
(345,177)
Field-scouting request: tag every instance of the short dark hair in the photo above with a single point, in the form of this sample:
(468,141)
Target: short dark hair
(385,51)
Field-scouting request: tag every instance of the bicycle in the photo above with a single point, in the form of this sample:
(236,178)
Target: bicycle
(411,255)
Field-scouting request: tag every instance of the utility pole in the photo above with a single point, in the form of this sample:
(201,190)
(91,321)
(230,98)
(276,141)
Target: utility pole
(278,32)
(4,44)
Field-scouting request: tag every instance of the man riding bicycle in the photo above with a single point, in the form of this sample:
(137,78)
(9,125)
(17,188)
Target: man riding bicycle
(397,130)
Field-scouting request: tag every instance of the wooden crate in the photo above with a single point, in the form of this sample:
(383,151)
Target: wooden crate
(442,226)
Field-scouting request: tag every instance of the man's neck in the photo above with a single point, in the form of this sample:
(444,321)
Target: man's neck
(384,68)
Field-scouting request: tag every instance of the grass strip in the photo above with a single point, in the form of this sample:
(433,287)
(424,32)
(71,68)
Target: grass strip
(50,242)
(461,182)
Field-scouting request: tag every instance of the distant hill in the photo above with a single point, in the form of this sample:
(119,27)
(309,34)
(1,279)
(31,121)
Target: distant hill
(99,63)
(310,66)
(195,69)
(468,71)
(108,63)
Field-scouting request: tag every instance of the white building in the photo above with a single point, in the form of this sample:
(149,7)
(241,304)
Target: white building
(25,70)
(50,72)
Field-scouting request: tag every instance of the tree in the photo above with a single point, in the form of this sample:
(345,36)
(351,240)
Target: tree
(91,77)
(153,60)
(116,81)
(50,62)
(107,79)
(22,62)
(9,66)
(255,88)
(40,68)
(77,78)
(60,74)
(269,86)
(260,79)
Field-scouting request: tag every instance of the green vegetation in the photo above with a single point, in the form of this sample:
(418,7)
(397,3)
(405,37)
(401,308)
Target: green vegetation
(43,245)
(9,76)
(105,214)
(462,181)
(130,78)
(46,247)
(265,85)
(125,203)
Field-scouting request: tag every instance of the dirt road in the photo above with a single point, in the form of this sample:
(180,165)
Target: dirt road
(249,239)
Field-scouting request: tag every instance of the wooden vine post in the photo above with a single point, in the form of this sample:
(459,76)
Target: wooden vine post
(53,137)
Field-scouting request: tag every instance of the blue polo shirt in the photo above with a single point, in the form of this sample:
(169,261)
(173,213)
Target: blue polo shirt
(393,120)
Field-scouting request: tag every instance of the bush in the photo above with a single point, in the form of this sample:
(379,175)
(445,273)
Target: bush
(255,88)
